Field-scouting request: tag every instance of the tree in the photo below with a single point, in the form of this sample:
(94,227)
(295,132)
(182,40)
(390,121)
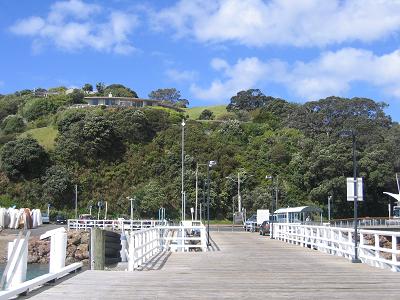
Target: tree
(13,124)
(118,90)
(57,186)
(248,100)
(206,115)
(169,94)
(133,126)
(39,107)
(182,103)
(23,159)
(87,88)
(76,96)
(100,87)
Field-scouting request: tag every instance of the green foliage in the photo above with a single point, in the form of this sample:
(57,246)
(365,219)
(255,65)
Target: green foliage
(100,87)
(76,97)
(248,100)
(206,115)
(23,159)
(194,112)
(13,124)
(6,201)
(9,106)
(45,136)
(133,126)
(39,107)
(170,94)
(57,186)
(87,87)
(118,90)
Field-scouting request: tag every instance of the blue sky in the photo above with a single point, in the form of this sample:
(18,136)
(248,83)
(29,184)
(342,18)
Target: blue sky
(299,50)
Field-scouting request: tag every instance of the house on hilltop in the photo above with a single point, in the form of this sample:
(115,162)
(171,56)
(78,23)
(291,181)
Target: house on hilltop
(120,101)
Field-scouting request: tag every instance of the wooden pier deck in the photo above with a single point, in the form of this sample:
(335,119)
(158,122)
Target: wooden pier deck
(247,266)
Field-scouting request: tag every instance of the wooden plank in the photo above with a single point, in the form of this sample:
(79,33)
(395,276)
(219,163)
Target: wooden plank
(248,266)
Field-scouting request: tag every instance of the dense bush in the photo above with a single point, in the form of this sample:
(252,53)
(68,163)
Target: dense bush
(13,124)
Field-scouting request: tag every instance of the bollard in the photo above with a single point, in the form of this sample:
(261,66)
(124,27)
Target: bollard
(123,247)
(58,249)
(97,249)
(20,269)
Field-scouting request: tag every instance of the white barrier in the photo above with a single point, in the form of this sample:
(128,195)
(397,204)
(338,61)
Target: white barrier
(76,224)
(340,242)
(18,263)
(144,244)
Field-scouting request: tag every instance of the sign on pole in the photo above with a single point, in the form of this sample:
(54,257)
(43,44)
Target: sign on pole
(350,189)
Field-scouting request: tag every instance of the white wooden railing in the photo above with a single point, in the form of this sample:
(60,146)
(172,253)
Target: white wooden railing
(366,222)
(144,244)
(77,224)
(13,281)
(339,241)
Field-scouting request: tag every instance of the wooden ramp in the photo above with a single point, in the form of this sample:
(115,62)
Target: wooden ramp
(247,266)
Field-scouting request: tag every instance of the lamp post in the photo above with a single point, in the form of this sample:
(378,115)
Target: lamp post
(239,180)
(275,182)
(131,199)
(209,165)
(352,133)
(329,208)
(197,190)
(183,170)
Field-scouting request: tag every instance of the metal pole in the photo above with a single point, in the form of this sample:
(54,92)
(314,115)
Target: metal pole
(208,204)
(329,208)
(239,200)
(204,199)
(195,208)
(131,199)
(76,201)
(355,260)
(183,169)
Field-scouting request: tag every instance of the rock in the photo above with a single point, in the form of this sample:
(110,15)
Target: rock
(71,250)
(69,260)
(32,259)
(79,255)
(85,238)
(83,247)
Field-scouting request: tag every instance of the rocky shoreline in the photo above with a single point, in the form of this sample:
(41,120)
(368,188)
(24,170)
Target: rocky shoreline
(77,249)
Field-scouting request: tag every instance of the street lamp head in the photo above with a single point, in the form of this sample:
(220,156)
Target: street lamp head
(183,122)
(269,177)
(212,163)
(346,133)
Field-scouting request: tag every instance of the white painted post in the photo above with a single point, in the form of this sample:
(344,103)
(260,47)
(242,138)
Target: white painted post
(19,265)
(394,250)
(123,247)
(131,259)
(58,249)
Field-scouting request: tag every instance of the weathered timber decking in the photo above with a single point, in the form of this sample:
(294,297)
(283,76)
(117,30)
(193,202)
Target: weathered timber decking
(248,266)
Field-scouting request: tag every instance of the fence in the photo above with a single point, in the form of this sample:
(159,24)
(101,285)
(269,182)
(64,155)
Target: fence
(13,281)
(75,224)
(144,244)
(366,222)
(376,248)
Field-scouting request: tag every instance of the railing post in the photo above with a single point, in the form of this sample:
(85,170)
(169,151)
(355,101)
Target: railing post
(131,259)
(58,249)
(19,263)
(394,255)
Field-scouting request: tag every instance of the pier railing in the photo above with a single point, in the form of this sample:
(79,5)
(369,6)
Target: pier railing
(78,224)
(144,244)
(376,248)
(13,281)
(366,222)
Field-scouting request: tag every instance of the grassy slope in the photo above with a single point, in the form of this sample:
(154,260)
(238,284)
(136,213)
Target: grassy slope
(45,136)
(194,112)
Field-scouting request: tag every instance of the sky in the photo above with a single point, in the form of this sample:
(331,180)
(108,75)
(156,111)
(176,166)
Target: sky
(298,50)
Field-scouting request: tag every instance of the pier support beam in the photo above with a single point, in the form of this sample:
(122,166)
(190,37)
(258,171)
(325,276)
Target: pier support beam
(97,249)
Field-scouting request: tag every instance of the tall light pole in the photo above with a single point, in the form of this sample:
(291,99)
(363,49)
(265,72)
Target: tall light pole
(131,199)
(329,208)
(239,180)
(209,165)
(183,170)
(275,183)
(197,189)
(352,133)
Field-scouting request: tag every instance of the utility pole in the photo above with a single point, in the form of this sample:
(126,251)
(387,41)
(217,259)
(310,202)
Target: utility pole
(76,201)
(329,208)
(239,200)
(183,170)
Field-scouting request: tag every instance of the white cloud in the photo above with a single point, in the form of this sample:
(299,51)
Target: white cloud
(73,25)
(282,22)
(332,73)
(181,76)
(246,73)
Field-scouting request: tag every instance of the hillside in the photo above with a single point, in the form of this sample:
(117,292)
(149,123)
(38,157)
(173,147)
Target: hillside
(194,112)
(45,136)
(114,152)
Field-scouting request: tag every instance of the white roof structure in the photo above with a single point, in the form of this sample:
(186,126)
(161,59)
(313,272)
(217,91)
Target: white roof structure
(300,209)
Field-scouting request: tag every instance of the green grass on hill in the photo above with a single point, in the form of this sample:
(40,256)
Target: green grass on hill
(194,112)
(45,136)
